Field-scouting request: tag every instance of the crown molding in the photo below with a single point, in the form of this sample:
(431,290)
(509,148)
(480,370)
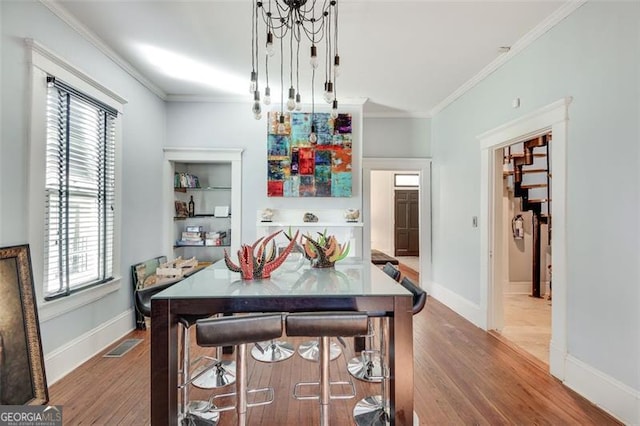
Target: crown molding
(210,99)
(59,10)
(406,114)
(551,21)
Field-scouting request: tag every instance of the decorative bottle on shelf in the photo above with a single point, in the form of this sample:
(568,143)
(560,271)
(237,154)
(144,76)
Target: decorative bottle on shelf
(191,207)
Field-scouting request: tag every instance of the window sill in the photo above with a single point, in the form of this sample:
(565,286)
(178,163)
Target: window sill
(48,310)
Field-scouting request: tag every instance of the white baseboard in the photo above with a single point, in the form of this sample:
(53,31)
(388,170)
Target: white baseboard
(557,356)
(614,397)
(463,307)
(63,360)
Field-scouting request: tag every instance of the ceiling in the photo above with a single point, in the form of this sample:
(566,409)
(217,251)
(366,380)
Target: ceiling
(405,58)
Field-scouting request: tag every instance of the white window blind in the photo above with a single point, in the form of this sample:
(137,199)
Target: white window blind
(80,191)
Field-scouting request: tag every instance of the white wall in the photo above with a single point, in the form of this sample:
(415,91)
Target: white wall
(143,136)
(382,221)
(233,126)
(593,56)
(397,137)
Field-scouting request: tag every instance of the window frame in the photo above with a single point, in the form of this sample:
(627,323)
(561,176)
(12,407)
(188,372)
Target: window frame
(44,62)
(395,180)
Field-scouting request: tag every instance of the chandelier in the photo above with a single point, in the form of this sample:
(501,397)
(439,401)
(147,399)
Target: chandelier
(289,23)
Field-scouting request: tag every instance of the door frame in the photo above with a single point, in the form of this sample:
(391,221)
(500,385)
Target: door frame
(423,166)
(554,118)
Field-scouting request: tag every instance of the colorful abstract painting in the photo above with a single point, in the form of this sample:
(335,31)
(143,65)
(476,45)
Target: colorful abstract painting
(297,167)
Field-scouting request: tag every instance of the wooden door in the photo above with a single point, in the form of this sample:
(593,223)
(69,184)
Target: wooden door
(407,221)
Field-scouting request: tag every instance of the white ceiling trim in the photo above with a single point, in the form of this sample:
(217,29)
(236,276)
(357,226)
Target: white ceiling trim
(551,21)
(397,115)
(92,38)
(207,99)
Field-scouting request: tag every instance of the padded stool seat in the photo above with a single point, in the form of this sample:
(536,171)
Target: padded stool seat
(143,297)
(325,325)
(238,331)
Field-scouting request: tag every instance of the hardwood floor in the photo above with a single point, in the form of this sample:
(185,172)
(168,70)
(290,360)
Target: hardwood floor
(527,323)
(463,375)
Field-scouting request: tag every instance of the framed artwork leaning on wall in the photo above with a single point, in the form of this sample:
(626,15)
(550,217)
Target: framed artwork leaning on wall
(22,376)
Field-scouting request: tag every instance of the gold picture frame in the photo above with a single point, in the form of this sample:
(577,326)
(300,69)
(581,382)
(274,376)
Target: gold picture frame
(22,376)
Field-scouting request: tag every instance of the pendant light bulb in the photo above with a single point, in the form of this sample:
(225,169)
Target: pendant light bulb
(254,82)
(267,95)
(328,94)
(314,57)
(298,102)
(257,109)
(334,109)
(291,102)
(269,47)
(313,138)
(336,66)
(281,128)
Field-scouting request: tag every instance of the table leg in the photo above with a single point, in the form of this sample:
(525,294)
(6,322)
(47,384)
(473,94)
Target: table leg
(401,362)
(164,364)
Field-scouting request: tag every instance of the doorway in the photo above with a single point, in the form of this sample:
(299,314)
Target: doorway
(552,118)
(525,248)
(372,211)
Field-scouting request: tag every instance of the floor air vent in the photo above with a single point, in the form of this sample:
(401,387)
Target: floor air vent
(122,348)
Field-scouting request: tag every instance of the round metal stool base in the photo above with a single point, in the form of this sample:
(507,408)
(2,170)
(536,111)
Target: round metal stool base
(369,412)
(273,351)
(221,374)
(197,416)
(311,350)
(369,371)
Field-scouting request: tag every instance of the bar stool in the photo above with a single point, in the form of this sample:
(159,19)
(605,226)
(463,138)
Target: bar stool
(373,410)
(272,351)
(217,374)
(325,325)
(143,305)
(367,367)
(239,331)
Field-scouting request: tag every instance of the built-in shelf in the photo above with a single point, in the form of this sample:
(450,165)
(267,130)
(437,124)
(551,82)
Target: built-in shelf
(201,216)
(309,224)
(206,188)
(196,246)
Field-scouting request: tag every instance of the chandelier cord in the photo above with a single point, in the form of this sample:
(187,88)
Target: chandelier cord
(327,53)
(281,78)
(291,58)
(298,63)
(254,25)
(256,48)
(335,51)
(266,68)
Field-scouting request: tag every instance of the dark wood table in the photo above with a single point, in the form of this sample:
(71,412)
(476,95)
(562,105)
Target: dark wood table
(353,285)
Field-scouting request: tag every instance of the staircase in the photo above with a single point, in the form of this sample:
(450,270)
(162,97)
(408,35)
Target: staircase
(527,168)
